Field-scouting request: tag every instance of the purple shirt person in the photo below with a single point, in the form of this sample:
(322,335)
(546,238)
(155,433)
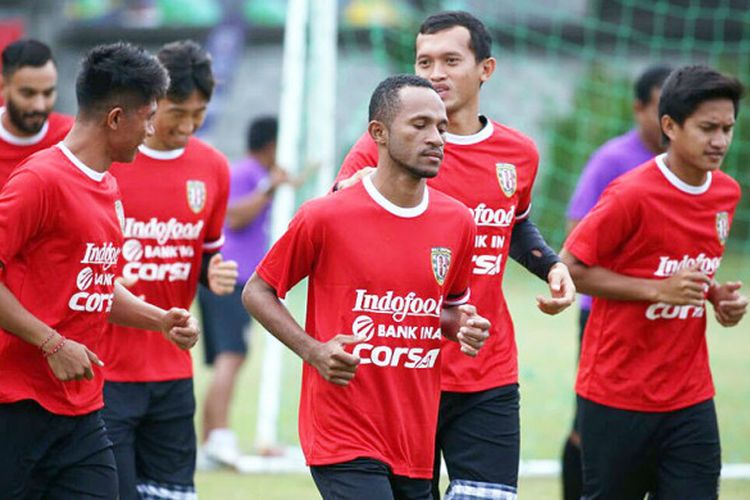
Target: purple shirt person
(611,160)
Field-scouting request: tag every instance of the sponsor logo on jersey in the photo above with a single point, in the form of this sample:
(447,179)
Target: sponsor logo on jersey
(363,327)
(660,310)
(84,301)
(441,261)
(722,227)
(397,306)
(120,214)
(506,176)
(486,216)
(196,195)
(488,265)
(106,254)
(668,266)
(162,231)
(386,356)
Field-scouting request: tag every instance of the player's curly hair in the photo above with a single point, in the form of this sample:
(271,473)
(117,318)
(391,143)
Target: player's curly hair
(119,74)
(385,101)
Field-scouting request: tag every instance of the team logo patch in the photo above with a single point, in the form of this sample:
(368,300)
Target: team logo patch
(441,261)
(120,214)
(506,176)
(196,195)
(722,226)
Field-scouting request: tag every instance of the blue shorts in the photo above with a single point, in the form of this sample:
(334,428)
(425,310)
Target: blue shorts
(54,456)
(367,479)
(224,323)
(151,426)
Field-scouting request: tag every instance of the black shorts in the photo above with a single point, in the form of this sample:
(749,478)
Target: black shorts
(54,456)
(367,479)
(674,455)
(151,426)
(225,322)
(479,436)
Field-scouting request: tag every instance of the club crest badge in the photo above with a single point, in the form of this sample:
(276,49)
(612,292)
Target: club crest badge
(120,214)
(196,195)
(441,261)
(722,227)
(506,176)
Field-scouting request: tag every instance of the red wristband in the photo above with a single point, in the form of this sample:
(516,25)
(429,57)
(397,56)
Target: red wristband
(41,347)
(56,348)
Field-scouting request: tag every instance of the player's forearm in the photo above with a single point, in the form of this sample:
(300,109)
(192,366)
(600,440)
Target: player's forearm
(246,209)
(261,301)
(450,322)
(16,319)
(528,248)
(129,310)
(601,282)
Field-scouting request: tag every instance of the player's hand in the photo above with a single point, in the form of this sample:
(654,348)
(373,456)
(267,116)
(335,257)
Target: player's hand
(473,330)
(685,287)
(222,275)
(561,288)
(73,361)
(180,327)
(332,362)
(729,305)
(355,178)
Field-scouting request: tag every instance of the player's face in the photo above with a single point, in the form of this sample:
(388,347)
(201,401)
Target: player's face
(447,61)
(175,122)
(134,127)
(29,95)
(701,142)
(647,116)
(416,133)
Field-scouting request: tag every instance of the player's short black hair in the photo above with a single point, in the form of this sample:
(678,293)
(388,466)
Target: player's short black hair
(26,52)
(261,132)
(652,78)
(189,68)
(688,87)
(119,74)
(385,102)
(481,41)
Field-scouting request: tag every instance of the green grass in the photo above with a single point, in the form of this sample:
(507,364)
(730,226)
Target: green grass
(547,353)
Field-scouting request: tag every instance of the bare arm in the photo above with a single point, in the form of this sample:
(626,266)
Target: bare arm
(462,324)
(242,212)
(330,359)
(686,287)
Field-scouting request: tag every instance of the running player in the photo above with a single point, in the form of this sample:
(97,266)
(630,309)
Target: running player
(29,90)
(617,156)
(490,168)
(175,197)
(648,252)
(60,236)
(383,267)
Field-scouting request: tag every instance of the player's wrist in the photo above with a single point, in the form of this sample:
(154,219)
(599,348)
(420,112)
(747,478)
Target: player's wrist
(53,347)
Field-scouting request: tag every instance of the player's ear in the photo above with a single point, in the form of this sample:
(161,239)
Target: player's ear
(114,117)
(668,126)
(378,131)
(488,67)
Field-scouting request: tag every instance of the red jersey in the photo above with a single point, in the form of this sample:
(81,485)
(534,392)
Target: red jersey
(15,149)
(175,202)
(646,356)
(491,172)
(382,273)
(60,237)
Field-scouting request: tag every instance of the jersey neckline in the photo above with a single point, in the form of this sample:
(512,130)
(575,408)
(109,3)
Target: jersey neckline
(10,138)
(157,154)
(465,140)
(90,172)
(679,183)
(391,207)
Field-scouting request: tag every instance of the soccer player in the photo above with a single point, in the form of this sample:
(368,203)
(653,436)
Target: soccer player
(490,168)
(648,252)
(60,236)
(253,182)
(175,197)
(614,158)
(29,90)
(388,262)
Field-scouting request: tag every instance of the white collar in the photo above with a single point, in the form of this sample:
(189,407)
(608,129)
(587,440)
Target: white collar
(90,172)
(8,137)
(465,140)
(679,183)
(391,207)
(157,154)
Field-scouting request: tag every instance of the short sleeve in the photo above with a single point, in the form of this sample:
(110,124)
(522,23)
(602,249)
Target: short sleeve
(600,170)
(24,208)
(363,154)
(524,200)
(292,257)
(214,225)
(458,291)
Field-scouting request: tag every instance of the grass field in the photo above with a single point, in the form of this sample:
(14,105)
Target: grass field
(547,350)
